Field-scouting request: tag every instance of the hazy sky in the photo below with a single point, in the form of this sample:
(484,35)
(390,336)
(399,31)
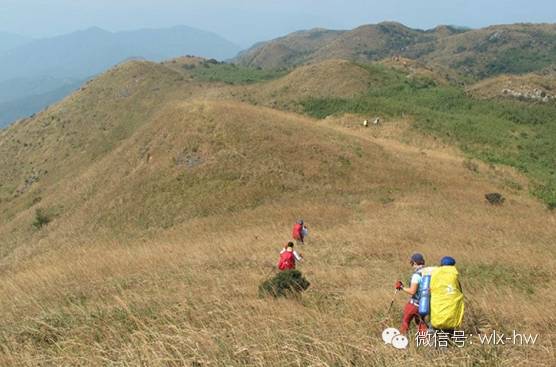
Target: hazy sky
(248,21)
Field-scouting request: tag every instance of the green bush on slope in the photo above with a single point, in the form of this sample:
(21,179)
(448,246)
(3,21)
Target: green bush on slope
(284,284)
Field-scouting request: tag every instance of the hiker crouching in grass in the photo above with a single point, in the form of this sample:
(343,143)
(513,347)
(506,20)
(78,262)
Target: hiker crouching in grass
(289,257)
(298,231)
(411,310)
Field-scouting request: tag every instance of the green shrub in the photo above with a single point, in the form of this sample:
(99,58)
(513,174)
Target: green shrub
(284,284)
(41,218)
(495,198)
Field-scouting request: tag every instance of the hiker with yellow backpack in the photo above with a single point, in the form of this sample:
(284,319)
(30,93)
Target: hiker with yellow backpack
(436,296)
(446,297)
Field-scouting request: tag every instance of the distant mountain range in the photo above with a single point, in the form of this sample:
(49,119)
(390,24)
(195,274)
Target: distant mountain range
(30,104)
(473,54)
(10,40)
(64,60)
(38,70)
(84,53)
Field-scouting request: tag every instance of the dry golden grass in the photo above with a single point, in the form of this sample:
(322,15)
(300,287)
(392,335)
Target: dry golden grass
(152,263)
(328,79)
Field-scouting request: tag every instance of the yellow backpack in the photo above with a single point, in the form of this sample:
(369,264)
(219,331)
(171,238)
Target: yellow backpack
(446,298)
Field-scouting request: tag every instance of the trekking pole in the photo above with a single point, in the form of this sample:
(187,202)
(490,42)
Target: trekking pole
(392,302)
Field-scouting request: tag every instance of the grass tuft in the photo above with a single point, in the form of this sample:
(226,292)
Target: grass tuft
(42,218)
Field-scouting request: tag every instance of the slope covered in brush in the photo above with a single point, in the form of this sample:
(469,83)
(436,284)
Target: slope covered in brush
(474,54)
(292,49)
(532,87)
(510,131)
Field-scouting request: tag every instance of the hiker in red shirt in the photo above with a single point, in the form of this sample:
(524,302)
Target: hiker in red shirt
(297,232)
(288,258)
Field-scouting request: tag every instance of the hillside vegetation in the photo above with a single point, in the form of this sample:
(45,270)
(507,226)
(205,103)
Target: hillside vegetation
(513,133)
(140,215)
(473,54)
(287,51)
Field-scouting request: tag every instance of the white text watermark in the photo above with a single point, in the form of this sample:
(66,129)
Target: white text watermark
(458,338)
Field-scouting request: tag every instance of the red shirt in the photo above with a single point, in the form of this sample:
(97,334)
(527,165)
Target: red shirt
(297,232)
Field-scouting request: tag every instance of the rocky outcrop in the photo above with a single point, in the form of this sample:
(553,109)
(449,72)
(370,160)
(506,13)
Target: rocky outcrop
(535,94)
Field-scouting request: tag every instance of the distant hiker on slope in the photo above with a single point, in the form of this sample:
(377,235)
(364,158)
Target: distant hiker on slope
(289,257)
(411,310)
(298,231)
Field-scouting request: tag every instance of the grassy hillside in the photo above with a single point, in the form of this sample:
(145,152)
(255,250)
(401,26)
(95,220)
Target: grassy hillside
(124,120)
(371,42)
(504,49)
(329,79)
(169,192)
(513,133)
(473,54)
(64,141)
(293,49)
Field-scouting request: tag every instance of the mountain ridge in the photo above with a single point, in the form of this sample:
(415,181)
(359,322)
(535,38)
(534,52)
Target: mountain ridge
(474,53)
(82,54)
(11,40)
(76,49)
